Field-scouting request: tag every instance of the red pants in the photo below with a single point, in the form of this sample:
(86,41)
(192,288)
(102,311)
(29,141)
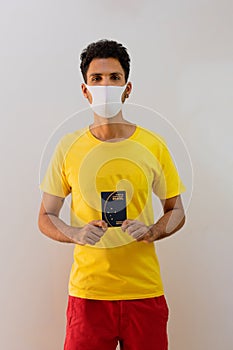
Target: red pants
(99,324)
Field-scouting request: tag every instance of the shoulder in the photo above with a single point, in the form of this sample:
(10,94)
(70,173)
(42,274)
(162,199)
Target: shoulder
(68,140)
(151,138)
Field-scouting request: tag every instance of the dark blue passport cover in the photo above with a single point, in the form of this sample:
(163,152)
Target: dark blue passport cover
(114,207)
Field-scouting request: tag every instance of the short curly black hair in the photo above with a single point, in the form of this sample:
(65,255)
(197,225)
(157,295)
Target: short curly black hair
(105,49)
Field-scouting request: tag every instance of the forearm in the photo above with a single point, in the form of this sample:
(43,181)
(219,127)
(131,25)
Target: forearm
(169,223)
(56,229)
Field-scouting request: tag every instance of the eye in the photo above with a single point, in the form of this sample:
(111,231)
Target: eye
(115,77)
(96,78)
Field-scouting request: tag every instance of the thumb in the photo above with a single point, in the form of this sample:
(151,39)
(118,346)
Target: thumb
(99,223)
(125,224)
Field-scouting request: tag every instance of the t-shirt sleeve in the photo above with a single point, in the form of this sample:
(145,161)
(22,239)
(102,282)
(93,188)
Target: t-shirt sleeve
(167,183)
(55,181)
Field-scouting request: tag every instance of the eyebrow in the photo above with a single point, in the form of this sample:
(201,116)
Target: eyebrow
(118,73)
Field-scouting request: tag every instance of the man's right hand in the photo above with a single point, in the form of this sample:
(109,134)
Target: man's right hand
(88,234)
(52,226)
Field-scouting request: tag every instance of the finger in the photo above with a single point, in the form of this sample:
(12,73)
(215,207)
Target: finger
(99,223)
(91,241)
(134,226)
(138,233)
(96,232)
(104,225)
(96,223)
(126,224)
(92,238)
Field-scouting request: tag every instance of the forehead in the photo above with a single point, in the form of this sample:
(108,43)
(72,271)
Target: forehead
(104,66)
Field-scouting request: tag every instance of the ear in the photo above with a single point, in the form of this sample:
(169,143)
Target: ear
(86,93)
(127,91)
(84,90)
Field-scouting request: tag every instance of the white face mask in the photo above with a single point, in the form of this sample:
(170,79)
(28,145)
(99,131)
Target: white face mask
(106,100)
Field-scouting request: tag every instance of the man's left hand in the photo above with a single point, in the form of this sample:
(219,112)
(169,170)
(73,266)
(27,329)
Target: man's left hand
(138,230)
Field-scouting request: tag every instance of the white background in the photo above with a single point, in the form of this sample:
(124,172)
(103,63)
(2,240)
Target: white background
(182,67)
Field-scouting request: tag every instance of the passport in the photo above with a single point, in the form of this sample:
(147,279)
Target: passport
(114,207)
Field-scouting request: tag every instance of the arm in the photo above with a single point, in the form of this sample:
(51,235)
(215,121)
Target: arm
(52,226)
(172,221)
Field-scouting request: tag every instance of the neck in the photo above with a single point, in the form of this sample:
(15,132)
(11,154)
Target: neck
(112,129)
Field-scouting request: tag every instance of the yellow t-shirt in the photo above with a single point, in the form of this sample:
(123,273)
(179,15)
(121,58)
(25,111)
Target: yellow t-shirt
(117,267)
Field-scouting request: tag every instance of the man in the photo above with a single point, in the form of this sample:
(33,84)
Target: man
(111,169)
